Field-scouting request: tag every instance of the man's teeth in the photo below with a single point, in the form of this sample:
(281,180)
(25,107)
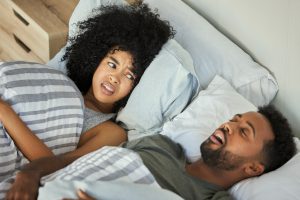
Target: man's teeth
(219,139)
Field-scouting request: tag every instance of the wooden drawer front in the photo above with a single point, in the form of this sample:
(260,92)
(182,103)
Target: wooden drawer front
(13,50)
(35,26)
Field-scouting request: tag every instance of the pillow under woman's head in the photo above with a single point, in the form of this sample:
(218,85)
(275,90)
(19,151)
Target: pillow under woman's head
(165,89)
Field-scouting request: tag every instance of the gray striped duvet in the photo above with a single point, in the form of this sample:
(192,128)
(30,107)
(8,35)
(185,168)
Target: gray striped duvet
(47,101)
(106,164)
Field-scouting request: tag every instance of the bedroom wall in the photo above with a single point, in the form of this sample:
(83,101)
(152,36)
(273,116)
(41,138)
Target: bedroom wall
(269,31)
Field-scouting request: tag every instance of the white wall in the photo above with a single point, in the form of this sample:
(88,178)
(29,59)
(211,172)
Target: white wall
(269,30)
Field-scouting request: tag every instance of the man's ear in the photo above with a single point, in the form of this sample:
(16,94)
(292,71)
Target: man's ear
(254,168)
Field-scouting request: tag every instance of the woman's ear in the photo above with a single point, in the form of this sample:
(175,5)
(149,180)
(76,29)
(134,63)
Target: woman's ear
(254,168)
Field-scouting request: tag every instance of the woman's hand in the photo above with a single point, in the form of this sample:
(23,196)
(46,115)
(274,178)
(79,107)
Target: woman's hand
(81,196)
(25,187)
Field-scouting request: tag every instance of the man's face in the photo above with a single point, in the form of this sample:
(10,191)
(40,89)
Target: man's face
(237,141)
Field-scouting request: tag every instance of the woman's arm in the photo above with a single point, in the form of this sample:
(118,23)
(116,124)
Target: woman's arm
(28,143)
(105,134)
(27,180)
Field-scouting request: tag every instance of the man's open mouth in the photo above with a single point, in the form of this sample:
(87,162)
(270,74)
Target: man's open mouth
(218,137)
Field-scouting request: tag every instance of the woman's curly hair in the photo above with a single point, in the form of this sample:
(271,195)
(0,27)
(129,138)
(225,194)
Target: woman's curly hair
(135,29)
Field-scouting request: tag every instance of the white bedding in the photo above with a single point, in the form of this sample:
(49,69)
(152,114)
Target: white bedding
(104,190)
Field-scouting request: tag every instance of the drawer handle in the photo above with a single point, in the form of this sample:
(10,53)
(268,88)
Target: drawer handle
(21,18)
(21,44)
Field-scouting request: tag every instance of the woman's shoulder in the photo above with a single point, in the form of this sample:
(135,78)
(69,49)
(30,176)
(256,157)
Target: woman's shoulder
(93,118)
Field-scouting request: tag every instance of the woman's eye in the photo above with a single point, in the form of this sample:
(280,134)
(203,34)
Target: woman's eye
(129,76)
(112,65)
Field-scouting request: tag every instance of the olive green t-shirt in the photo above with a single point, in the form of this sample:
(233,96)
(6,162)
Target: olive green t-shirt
(166,161)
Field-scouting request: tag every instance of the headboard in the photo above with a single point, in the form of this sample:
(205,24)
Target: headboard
(269,31)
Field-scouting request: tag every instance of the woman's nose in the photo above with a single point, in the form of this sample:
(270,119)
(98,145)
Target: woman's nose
(114,79)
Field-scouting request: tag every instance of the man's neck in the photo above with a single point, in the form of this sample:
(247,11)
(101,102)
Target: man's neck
(224,179)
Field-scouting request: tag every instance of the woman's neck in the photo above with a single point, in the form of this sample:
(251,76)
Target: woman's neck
(92,103)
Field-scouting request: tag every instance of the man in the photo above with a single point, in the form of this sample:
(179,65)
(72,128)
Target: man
(249,145)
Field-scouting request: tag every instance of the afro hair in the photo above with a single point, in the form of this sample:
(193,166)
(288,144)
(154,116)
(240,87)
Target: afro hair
(135,29)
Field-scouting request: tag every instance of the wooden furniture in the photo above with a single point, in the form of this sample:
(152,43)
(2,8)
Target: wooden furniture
(33,30)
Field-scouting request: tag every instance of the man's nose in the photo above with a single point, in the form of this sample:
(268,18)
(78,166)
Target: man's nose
(229,127)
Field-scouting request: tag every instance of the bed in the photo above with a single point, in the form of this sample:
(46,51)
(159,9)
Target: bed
(226,58)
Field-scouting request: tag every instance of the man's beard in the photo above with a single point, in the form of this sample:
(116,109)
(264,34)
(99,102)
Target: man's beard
(220,158)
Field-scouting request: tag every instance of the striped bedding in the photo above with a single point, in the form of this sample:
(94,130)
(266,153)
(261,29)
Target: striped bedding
(106,164)
(108,173)
(47,101)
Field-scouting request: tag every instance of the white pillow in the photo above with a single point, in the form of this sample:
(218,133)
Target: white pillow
(164,90)
(213,53)
(213,106)
(283,183)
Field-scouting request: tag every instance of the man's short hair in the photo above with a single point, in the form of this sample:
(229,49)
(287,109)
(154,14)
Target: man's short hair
(282,148)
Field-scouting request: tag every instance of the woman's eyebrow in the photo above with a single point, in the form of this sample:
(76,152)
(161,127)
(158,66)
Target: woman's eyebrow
(115,60)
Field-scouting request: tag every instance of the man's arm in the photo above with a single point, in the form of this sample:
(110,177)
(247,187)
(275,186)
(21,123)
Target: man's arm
(26,141)
(28,179)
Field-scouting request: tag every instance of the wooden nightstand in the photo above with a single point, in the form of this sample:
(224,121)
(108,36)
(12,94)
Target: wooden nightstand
(33,30)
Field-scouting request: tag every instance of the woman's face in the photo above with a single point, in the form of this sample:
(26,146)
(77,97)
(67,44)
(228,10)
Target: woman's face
(114,77)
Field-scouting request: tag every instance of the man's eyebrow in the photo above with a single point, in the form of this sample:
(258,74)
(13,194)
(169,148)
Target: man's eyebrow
(249,123)
(238,115)
(115,60)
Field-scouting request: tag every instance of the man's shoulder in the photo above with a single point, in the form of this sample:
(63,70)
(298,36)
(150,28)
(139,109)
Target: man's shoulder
(153,141)
(222,195)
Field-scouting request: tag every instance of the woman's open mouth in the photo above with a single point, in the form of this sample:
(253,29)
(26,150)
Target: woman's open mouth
(107,88)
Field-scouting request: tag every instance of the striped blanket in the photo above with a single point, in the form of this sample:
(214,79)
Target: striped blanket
(48,102)
(108,173)
(106,164)
(115,164)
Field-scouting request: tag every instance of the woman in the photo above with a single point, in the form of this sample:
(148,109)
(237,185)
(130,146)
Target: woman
(105,60)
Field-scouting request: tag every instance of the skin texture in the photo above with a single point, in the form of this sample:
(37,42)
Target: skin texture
(234,151)
(112,81)
(243,138)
